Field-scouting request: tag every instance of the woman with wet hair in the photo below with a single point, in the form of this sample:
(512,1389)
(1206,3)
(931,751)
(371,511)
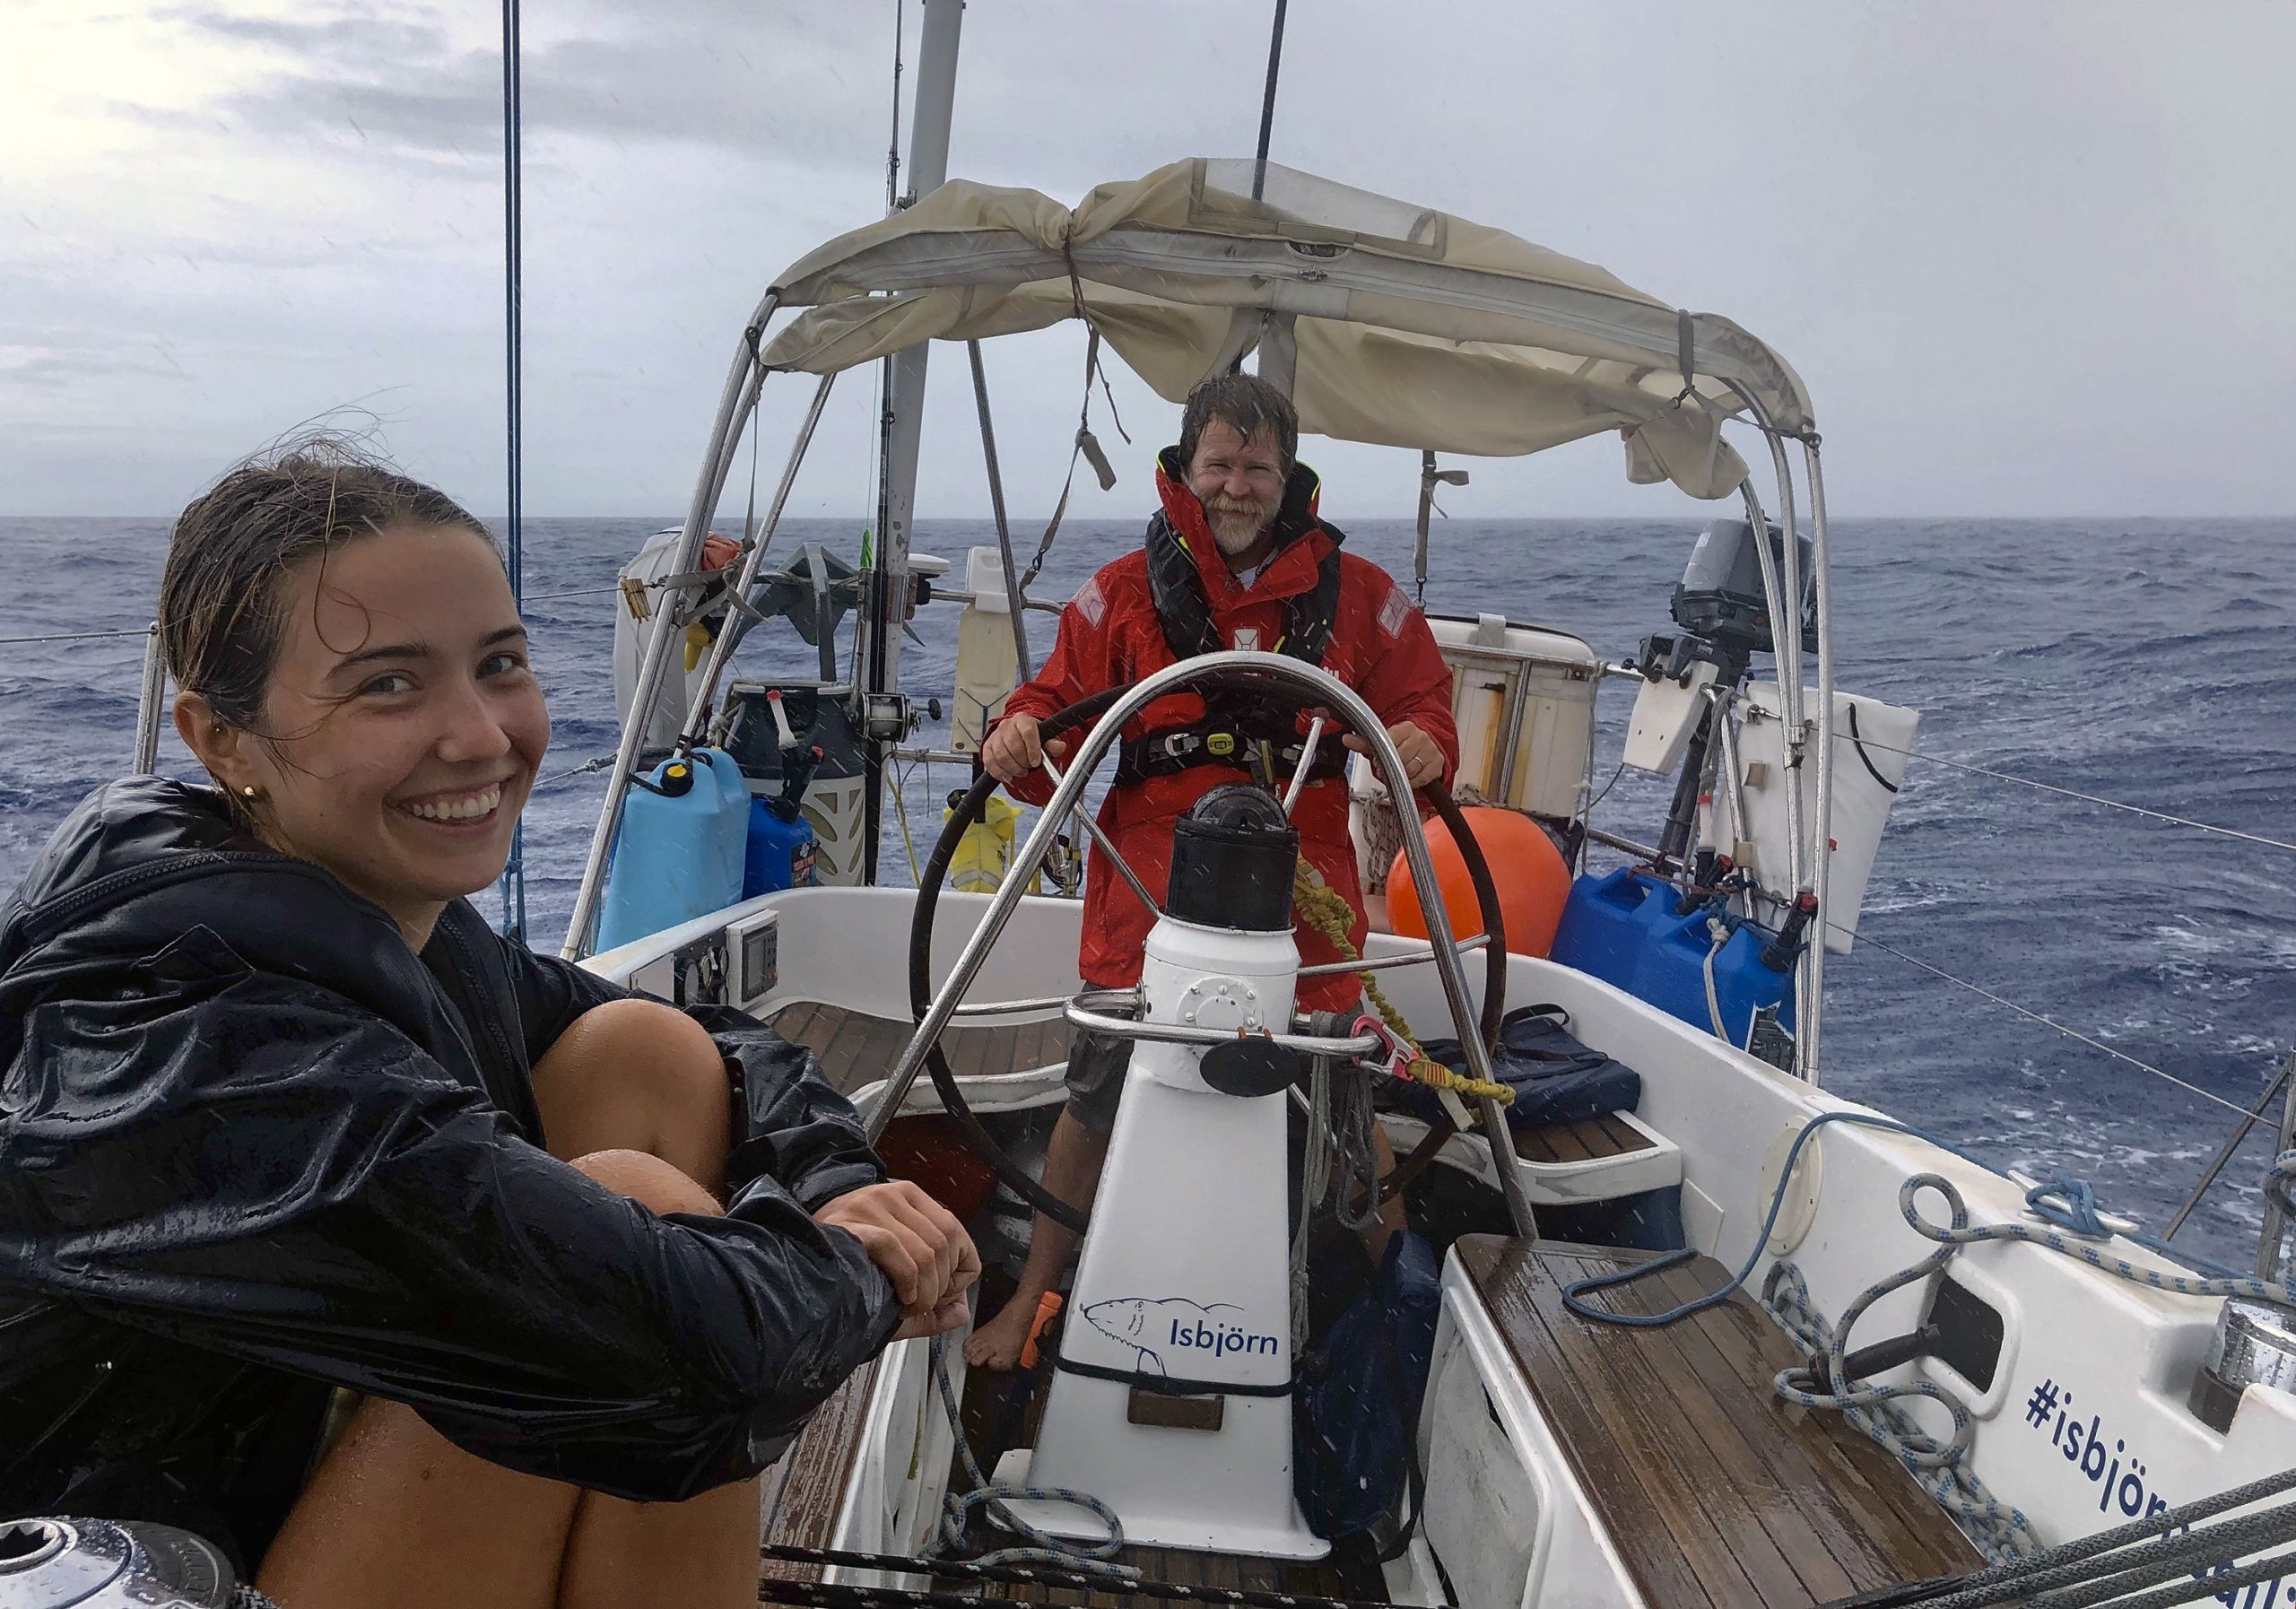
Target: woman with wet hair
(408,1266)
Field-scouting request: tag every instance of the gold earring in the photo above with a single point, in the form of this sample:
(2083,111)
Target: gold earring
(251,792)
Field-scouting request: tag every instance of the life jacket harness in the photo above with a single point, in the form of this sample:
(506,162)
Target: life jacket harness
(1235,728)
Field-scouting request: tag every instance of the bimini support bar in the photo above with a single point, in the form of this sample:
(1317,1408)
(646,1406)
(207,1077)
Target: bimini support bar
(1069,791)
(1808,848)
(721,648)
(150,700)
(734,403)
(1785,620)
(1822,833)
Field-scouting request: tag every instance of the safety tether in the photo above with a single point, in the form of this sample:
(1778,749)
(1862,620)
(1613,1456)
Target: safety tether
(991,1497)
(1324,910)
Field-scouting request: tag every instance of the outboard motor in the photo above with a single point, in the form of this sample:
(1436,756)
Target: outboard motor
(105,1564)
(1725,620)
(1172,1398)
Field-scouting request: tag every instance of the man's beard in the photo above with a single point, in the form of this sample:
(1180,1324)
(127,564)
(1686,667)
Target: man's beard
(1238,524)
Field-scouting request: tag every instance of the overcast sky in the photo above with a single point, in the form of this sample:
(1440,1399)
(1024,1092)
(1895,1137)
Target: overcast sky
(2031,258)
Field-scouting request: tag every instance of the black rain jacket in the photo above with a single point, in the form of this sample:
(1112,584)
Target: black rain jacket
(253,1148)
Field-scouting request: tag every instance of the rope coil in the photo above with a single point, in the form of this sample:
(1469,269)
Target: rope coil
(991,1498)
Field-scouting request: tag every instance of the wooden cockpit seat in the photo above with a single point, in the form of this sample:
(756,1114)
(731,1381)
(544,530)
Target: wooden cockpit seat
(1716,1492)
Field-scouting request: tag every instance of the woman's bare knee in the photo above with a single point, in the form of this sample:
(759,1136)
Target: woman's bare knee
(637,1074)
(647,1179)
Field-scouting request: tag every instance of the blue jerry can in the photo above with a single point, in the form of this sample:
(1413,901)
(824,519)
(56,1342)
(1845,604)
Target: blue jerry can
(679,851)
(1607,921)
(780,850)
(1672,976)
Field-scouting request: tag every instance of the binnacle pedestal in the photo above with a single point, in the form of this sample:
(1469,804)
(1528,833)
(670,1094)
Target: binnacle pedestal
(1172,1400)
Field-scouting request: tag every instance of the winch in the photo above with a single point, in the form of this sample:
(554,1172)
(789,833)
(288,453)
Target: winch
(2255,1345)
(106,1564)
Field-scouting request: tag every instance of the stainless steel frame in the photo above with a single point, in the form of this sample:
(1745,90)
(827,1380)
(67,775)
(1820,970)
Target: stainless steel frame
(1811,848)
(1180,1033)
(736,403)
(1357,715)
(721,648)
(151,697)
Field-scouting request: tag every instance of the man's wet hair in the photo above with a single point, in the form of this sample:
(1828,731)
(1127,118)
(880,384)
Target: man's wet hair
(1246,403)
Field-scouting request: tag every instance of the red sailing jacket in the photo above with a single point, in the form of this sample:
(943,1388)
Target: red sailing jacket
(1109,636)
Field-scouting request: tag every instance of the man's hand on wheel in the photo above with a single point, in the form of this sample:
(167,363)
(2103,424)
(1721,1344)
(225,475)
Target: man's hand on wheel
(1423,761)
(918,1245)
(1012,750)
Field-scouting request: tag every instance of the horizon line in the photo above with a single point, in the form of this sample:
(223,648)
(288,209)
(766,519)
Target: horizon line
(1834,517)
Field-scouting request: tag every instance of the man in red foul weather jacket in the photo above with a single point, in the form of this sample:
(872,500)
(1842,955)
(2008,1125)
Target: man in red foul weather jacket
(1236,559)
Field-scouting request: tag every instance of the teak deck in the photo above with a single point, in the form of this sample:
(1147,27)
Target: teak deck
(1580,1142)
(856,1049)
(1717,1493)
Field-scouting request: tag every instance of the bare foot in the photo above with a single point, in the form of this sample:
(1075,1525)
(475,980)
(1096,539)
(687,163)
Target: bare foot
(996,1345)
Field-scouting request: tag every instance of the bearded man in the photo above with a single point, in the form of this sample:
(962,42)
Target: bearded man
(1237,558)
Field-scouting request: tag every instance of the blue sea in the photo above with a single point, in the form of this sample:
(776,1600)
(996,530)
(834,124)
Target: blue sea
(2142,660)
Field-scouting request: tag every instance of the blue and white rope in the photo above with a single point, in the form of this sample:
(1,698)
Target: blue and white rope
(2000,1529)
(991,1497)
(2070,1205)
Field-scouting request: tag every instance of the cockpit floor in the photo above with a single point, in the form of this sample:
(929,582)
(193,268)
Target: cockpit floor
(1002,1410)
(858,1049)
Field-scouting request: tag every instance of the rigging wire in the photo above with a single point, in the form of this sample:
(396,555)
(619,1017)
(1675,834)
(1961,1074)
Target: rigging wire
(514,871)
(588,766)
(75,636)
(2073,793)
(2047,1021)
(571,592)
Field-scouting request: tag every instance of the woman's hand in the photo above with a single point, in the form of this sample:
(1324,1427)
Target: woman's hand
(918,1245)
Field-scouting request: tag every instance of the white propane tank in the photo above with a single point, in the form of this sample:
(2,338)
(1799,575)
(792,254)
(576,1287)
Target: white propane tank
(986,662)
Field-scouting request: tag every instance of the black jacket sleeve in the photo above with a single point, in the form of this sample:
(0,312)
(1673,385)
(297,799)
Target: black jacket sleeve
(254,1165)
(789,1125)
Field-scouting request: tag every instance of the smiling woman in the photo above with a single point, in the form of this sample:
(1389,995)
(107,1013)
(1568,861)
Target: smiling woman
(280,1120)
(365,703)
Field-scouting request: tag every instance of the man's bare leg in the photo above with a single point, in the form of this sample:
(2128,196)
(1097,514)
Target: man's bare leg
(1072,1159)
(1391,1212)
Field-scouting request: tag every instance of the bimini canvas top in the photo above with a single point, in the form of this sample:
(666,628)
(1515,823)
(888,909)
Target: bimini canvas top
(1413,328)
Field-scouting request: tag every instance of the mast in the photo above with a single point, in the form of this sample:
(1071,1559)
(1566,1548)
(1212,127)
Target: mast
(877,644)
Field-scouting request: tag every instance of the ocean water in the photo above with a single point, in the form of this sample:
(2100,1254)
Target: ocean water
(2142,660)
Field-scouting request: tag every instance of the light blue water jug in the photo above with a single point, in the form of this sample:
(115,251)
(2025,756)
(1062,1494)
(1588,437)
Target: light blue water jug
(679,852)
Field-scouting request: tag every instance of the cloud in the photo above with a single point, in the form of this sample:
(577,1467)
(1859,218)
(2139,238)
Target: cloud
(2018,253)
(55,368)
(661,76)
